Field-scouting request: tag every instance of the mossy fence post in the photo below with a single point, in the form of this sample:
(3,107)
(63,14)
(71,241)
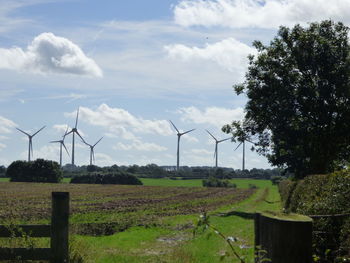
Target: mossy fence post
(283,238)
(59,227)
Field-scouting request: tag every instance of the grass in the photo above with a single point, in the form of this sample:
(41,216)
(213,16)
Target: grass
(241,183)
(154,232)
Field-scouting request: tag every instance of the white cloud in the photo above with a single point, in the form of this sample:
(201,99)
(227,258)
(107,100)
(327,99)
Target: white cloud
(190,138)
(228,53)
(140,146)
(102,159)
(2,146)
(200,151)
(61,128)
(6,125)
(49,54)
(214,116)
(122,122)
(257,13)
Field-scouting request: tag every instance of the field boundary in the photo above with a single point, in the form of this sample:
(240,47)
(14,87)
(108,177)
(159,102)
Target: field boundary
(57,231)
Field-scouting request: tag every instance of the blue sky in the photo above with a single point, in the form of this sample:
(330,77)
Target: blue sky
(131,66)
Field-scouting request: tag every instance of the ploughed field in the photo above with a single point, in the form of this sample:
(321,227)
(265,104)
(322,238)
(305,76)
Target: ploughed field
(105,209)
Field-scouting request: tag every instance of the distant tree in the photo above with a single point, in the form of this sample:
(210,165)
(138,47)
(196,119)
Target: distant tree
(2,171)
(45,171)
(298,89)
(18,171)
(39,170)
(219,173)
(92,168)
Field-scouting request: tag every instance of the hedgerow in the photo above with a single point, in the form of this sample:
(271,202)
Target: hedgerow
(323,195)
(215,182)
(100,178)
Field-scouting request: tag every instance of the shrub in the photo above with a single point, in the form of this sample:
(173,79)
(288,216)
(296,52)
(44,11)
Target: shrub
(276,179)
(252,186)
(40,170)
(116,178)
(215,182)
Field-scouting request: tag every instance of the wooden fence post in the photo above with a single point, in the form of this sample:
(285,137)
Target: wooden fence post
(283,238)
(59,227)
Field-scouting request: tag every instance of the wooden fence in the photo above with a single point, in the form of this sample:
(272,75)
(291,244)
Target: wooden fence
(57,231)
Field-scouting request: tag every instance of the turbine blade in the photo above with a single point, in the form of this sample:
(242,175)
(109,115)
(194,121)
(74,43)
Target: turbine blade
(23,132)
(249,141)
(97,142)
(65,148)
(174,126)
(54,141)
(76,120)
(211,135)
(81,137)
(38,131)
(238,145)
(65,133)
(93,155)
(68,133)
(214,154)
(224,139)
(187,131)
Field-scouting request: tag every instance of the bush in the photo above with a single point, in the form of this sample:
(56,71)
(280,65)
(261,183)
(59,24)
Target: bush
(323,195)
(276,179)
(252,186)
(116,178)
(215,182)
(40,170)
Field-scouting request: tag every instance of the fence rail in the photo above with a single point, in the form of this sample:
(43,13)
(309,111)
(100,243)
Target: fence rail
(57,231)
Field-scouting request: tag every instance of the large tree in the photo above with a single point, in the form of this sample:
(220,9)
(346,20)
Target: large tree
(298,90)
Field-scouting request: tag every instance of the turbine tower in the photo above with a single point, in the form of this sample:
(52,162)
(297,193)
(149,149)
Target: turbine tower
(61,142)
(243,159)
(75,131)
(216,147)
(30,137)
(92,154)
(179,134)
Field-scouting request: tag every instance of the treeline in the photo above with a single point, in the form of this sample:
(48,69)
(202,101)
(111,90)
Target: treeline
(185,172)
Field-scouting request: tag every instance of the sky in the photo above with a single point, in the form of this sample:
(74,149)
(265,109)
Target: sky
(130,67)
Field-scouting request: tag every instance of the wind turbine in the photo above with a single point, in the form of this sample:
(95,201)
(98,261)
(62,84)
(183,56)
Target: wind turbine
(243,160)
(30,137)
(61,142)
(179,134)
(75,131)
(216,147)
(92,154)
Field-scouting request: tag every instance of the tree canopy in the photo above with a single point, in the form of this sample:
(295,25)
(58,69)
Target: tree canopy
(39,170)
(298,90)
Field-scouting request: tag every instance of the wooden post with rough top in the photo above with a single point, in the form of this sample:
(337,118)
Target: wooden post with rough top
(283,238)
(59,227)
